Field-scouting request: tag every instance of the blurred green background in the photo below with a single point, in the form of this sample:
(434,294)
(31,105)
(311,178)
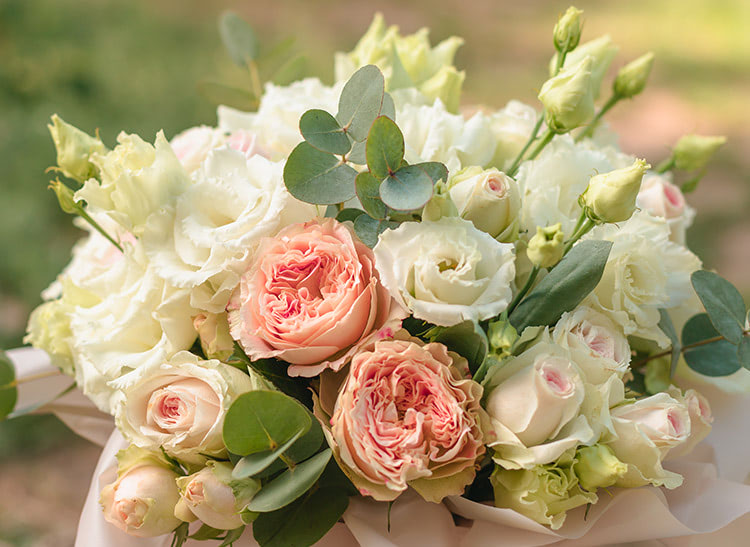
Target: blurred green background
(133,65)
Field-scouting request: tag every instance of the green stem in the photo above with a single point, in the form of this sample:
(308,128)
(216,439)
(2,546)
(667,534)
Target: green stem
(561,60)
(613,100)
(683,348)
(255,78)
(85,216)
(548,136)
(527,286)
(519,158)
(583,229)
(666,165)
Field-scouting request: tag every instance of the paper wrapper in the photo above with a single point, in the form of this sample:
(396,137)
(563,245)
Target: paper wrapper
(708,509)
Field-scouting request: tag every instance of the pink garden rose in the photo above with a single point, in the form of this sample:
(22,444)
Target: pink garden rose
(311,298)
(406,416)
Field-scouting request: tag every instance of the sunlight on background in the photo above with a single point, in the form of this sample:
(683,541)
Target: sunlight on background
(134,65)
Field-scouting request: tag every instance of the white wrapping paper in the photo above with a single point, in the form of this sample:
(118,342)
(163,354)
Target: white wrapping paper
(710,509)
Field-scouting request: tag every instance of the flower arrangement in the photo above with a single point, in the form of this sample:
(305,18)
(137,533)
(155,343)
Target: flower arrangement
(357,290)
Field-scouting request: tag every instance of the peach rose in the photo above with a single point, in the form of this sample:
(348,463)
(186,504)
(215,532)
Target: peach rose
(407,417)
(311,298)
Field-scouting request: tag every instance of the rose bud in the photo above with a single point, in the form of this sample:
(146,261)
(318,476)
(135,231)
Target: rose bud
(213,332)
(141,501)
(74,150)
(568,97)
(546,248)
(610,197)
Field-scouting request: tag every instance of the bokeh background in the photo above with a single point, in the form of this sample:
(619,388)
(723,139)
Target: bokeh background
(133,65)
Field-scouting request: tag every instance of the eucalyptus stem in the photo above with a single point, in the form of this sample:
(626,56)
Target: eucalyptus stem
(527,286)
(613,100)
(519,158)
(683,348)
(255,78)
(666,165)
(85,216)
(582,230)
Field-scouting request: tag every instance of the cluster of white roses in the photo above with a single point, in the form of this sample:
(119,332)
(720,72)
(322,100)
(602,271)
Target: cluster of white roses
(210,245)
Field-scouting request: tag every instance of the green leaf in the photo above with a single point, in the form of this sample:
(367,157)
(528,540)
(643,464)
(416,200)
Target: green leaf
(691,184)
(260,461)
(206,532)
(435,170)
(385,147)
(361,101)
(216,93)
(723,303)
(368,229)
(368,192)
(180,535)
(349,214)
(304,522)
(358,153)
(290,485)
(8,390)
(309,444)
(667,327)
(263,420)
(712,359)
(232,536)
(467,339)
(239,38)
(322,131)
(407,189)
(743,352)
(316,177)
(574,277)
(291,71)
(270,59)
(389,107)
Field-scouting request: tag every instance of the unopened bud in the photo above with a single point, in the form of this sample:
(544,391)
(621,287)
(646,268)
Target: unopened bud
(65,198)
(610,197)
(501,335)
(567,98)
(694,151)
(440,204)
(632,78)
(546,248)
(597,467)
(567,32)
(74,150)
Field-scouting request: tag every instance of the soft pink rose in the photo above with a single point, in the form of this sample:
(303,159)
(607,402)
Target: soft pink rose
(406,416)
(311,298)
(701,419)
(245,142)
(661,198)
(193,145)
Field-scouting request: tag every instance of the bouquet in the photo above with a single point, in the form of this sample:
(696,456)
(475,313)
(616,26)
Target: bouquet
(357,291)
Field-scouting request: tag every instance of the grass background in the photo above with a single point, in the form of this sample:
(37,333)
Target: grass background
(133,65)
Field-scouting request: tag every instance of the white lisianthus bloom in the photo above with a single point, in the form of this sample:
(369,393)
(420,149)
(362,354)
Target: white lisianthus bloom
(137,179)
(645,271)
(431,133)
(445,271)
(276,123)
(193,145)
(644,432)
(180,405)
(205,242)
(596,343)
(663,199)
(511,126)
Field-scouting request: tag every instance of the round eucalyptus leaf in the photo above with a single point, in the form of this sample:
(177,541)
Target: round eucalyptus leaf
(360,101)
(349,214)
(368,192)
(385,147)
(358,153)
(8,390)
(261,421)
(322,131)
(743,352)
(435,170)
(239,38)
(317,177)
(260,461)
(368,229)
(407,189)
(723,303)
(712,359)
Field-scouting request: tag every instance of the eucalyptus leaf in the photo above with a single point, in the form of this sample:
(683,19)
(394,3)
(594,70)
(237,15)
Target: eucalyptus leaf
(389,107)
(308,444)
(723,303)
(259,421)
(467,339)
(291,71)
(358,153)
(331,211)
(385,147)
(317,177)
(255,463)
(304,522)
(217,94)
(743,352)
(322,131)
(368,229)
(8,390)
(407,189)
(719,358)
(435,170)
(667,327)
(564,287)
(290,485)
(368,192)
(361,101)
(349,214)
(271,58)
(239,38)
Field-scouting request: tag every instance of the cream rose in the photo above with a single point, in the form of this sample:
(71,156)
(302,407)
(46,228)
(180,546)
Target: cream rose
(312,296)
(180,405)
(446,271)
(193,145)
(701,419)
(407,417)
(644,432)
(663,199)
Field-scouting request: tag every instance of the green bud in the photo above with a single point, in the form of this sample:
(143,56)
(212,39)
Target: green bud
(694,151)
(610,197)
(597,467)
(65,198)
(602,52)
(440,204)
(567,98)
(74,150)
(546,248)
(657,375)
(632,78)
(567,32)
(501,335)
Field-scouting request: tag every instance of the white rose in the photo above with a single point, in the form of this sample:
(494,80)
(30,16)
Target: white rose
(541,404)
(431,133)
(596,343)
(193,145)
(644,432)
(645,271)
(205,242)
(511,126)
(446,271)
(276,123)
(663,199)
(137,179)
(180,405)
(214,497)
(489,199)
